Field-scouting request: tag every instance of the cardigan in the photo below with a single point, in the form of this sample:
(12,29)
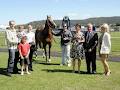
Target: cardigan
(105,47)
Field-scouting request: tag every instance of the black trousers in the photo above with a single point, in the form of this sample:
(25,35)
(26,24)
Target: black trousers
(91,61)
(32,49)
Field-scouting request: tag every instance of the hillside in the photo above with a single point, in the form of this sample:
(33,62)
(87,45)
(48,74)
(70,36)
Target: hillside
(97,21)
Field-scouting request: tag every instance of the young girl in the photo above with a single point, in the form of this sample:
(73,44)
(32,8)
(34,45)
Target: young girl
(77,47)
(24,50)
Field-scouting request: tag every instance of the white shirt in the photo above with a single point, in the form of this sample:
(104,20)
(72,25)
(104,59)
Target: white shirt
(30,37)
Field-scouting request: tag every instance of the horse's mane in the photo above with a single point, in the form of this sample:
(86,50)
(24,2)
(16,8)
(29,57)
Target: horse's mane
(40,28)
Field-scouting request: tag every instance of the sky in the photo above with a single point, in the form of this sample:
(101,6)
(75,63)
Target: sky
(25,11)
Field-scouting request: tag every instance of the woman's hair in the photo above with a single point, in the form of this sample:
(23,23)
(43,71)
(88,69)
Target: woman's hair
(78,25)
(105,27)
(23,38)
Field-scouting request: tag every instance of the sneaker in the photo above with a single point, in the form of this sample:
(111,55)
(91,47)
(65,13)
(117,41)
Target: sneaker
(22,73)
(69,65)
(61,64)
(9,74)
(94,72)
(28,73)
(49,60)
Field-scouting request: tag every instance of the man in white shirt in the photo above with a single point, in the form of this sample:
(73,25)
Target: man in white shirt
(12,41)
(31,40)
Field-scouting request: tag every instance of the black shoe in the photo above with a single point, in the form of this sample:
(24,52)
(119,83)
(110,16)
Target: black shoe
(30,69)
(9,74)
(88,72)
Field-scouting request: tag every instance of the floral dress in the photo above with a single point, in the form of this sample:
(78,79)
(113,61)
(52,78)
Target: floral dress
(77,50)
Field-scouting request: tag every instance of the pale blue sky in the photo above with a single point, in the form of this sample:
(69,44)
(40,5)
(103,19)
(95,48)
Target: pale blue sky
(24,11)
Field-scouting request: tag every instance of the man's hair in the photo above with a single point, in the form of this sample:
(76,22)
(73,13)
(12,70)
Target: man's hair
(11,21)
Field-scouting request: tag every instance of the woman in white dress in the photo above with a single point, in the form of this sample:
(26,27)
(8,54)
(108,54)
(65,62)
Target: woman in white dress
(105,47)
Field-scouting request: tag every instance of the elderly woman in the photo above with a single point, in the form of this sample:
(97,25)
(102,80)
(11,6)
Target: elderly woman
(105,47)
(77,47)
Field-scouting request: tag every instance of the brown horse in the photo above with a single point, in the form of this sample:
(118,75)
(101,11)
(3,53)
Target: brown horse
(44,36)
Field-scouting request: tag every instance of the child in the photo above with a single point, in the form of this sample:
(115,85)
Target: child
(24,50)
(77,47)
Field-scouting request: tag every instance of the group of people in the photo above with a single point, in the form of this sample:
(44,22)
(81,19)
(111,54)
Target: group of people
(74,47)
(20,47)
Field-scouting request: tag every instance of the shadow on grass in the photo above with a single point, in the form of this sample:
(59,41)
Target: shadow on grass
(3,71)
(68,71)
(43,62)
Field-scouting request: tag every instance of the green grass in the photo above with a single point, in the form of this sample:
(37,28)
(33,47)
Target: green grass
(55,77)
(2,40)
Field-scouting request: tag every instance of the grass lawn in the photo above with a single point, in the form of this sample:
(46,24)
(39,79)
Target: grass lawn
(55,77)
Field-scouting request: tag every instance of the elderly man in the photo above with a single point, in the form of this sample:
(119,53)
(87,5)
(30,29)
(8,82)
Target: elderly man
(91,40)
(12,42)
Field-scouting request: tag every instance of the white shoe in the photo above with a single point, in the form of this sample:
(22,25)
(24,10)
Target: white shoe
(61,64)
(69,65)
(49,60)
(28,73)
(22,73)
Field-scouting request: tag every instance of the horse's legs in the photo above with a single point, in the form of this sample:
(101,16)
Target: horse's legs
(41,46)
(49,52)
(36,47)
(44,46)
(43,53)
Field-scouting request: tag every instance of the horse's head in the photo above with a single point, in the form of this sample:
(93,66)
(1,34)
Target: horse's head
(50,23)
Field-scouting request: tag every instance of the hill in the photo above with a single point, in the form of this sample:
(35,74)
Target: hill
(97,21)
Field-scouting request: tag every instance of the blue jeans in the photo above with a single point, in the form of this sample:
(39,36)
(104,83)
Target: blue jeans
(11,59)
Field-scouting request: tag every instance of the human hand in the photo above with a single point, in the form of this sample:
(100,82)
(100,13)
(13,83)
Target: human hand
(90,50)
(26,56)
(22,57)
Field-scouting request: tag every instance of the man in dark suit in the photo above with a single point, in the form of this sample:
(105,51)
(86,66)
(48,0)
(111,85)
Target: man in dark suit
(91,40)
